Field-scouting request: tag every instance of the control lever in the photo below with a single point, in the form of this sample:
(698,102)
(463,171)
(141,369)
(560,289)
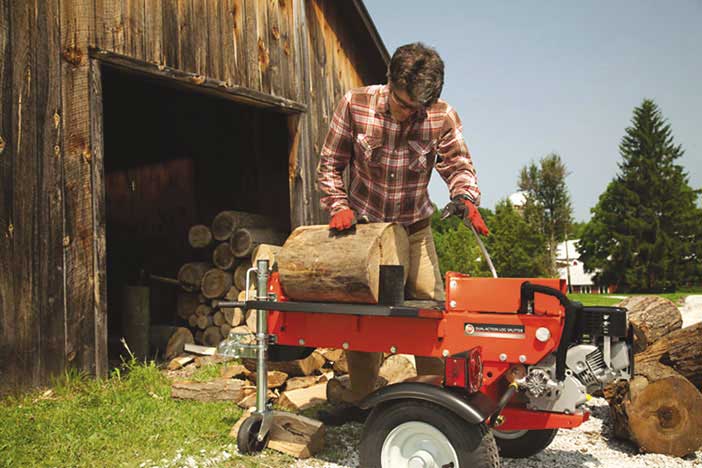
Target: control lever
(457,208)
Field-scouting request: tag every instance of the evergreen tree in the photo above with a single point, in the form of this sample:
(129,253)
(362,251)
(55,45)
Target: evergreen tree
(516,248)
(645,233)
(548,208)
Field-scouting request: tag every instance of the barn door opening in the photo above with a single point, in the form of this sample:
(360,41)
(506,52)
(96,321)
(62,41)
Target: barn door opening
(175,158)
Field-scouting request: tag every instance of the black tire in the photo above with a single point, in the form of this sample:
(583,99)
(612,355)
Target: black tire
(473,443)
(526,445)
(247,437)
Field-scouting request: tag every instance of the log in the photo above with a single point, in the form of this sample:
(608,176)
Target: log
(136,319)
(234,370)
(652,317)
(200,350)
(317,266)
(223,258)
(198,337)
(240,276)
(204,321)
(297,368)
(331,355)
(216,283)
(266,252)
(199,236)
(275,378)
(234,316)
(192,320)
(292,434)
(249,401)
(303,398)
(296,435)
(251,320)
(218,318)
(397,368)
(245,240)
(300,382)
(224,329)
(211,336)
(186,303)
(215,390)
(226,222)
(681,350)
(203,309)
(179,362)
(177,341)
(341,365)
(190,275)
(659,410)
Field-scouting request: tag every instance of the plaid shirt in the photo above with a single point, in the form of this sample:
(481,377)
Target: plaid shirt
(390,164)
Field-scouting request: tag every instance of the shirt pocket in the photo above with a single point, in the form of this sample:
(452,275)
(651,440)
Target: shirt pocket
(421,155)
(368,148)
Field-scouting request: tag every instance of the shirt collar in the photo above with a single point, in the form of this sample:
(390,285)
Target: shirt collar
(382,105)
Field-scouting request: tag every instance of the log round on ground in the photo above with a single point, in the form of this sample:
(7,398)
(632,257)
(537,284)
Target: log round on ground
(659,410)
(681,350)
(652,317)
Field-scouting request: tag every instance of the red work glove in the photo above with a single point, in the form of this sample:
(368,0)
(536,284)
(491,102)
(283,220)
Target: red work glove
(475,219)
(342,220)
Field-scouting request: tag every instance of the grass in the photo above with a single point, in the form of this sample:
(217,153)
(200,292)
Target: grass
(128,420)
(611,299)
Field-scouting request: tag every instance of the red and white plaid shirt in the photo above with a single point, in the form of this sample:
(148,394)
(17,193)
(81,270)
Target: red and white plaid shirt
(391,163)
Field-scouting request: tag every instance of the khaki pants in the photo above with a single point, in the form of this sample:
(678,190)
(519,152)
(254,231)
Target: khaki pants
(423,282)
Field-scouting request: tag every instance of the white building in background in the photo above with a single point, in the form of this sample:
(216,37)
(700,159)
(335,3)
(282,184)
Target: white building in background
(570,266)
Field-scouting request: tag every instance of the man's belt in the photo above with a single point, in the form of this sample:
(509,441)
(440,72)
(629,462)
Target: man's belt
(418,226)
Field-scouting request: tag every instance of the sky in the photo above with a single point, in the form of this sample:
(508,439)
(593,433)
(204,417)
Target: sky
(534,77)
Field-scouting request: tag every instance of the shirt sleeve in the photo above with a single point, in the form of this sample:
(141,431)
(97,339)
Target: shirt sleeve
(454,163)
(335,156)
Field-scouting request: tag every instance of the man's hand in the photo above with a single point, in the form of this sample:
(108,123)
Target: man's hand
(343,220)
(476,220)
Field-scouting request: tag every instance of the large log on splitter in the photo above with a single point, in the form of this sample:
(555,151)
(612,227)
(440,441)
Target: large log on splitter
(315,264)
(651,317)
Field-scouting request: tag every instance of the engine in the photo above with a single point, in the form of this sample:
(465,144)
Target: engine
(599,354)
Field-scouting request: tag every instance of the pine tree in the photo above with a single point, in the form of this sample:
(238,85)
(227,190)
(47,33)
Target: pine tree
(548,207)
(516,248)
(645,233)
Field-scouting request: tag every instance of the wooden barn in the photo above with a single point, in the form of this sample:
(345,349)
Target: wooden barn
(124,122)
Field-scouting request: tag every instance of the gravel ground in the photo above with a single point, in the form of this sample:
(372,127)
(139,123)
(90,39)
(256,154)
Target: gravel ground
(588,446)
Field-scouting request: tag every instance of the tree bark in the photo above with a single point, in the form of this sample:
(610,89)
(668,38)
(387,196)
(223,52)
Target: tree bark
(681,350)
(652,317)
(240,275)
(315,265)
(659,410)
(216,390)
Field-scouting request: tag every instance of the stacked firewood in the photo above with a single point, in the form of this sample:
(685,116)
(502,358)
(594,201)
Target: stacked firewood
(660,408)
(292,385)
(235,241)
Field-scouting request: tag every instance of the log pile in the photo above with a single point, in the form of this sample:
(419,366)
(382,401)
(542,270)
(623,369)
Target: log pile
(234,241)
(660,408)
(292,385)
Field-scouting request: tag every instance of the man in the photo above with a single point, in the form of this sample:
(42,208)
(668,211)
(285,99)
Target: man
(391,136)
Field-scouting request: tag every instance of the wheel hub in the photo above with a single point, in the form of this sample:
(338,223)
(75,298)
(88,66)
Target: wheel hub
(416,444)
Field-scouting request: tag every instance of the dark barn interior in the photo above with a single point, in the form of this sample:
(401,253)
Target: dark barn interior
(175,158)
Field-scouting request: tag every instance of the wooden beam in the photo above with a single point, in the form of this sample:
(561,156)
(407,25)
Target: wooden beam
(199,83)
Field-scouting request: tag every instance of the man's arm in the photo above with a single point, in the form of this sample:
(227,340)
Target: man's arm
(454,163)
(335,156)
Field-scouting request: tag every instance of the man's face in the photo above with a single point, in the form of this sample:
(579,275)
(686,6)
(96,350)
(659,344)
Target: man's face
(402,107)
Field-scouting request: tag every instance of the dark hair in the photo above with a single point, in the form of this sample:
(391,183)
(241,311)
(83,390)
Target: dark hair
(418,70)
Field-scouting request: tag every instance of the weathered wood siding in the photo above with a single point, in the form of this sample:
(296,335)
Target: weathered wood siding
(52,184)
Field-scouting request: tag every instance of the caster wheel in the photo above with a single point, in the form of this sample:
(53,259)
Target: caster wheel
(523,444)
(247,437)
(415,433)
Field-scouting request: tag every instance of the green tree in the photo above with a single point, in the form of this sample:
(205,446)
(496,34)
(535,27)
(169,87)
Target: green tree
(516,248)
(548,207)
(645,232)
(456,246)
